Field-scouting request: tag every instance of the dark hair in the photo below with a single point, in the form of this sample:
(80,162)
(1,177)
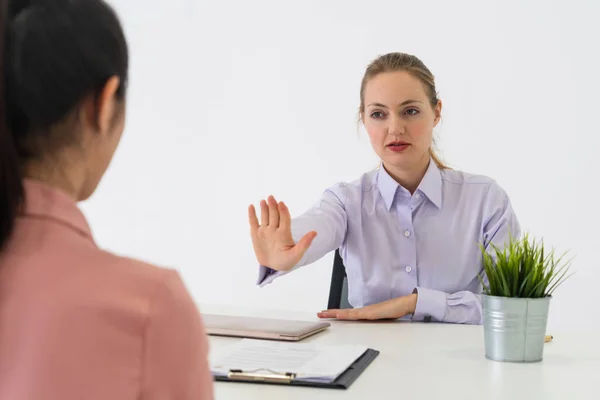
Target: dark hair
(55,53)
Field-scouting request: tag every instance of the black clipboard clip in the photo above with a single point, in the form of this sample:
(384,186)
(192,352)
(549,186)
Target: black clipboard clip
(261,375)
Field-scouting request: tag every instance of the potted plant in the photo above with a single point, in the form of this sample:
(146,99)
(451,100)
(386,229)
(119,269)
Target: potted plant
(521,278)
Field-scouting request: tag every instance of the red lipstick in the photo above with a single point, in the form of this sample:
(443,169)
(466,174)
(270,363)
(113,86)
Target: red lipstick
(398,146)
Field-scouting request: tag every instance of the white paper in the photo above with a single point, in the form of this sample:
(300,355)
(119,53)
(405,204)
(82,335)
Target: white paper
(308,361)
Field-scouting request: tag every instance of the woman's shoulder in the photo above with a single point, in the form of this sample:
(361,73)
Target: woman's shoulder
(130,278)
(134,281)
(363,183)
(473,185)
(134,269)
(459,177)
(353,189)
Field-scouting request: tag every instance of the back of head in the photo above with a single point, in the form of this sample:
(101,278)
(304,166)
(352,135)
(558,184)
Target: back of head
(55,54)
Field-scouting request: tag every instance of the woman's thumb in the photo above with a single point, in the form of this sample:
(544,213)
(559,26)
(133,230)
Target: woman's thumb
(304,244)
(306,240)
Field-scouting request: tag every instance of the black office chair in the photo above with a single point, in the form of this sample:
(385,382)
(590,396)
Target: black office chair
(338,290)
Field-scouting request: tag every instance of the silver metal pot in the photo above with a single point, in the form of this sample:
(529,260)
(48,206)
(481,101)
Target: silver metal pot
(514,328)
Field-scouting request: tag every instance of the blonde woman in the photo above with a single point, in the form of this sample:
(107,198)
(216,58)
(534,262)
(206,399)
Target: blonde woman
(409,232)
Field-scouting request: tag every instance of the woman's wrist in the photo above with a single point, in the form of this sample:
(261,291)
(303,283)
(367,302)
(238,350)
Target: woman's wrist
(412,302)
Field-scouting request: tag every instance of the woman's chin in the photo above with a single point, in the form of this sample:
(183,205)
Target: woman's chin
(404,161)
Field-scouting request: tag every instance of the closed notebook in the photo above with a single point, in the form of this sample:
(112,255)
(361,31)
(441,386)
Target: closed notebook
(262,328)
(305,364)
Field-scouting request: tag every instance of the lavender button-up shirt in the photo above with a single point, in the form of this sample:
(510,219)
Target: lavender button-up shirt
(394,243)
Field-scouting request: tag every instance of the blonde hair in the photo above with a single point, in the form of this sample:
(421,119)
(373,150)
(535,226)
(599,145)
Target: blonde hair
(395,62)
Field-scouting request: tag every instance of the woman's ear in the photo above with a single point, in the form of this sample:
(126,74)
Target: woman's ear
(99,111)
(107,104)
(437,111)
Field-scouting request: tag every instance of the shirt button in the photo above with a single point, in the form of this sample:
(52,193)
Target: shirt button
(408,269)
(407,233)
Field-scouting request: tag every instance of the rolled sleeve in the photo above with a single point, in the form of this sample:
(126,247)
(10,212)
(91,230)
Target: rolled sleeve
(459,308)
(431,305)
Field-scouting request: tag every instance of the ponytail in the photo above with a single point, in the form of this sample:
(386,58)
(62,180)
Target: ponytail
(436,159)
(11,186)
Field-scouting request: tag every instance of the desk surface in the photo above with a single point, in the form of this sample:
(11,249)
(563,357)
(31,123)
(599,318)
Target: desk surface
(434,361)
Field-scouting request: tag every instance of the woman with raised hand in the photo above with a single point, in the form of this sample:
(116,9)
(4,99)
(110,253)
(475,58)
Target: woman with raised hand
(77,322)
(409,232)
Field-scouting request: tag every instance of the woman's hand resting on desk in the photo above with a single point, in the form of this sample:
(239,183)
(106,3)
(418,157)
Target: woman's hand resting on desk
(273,243)
(390,309)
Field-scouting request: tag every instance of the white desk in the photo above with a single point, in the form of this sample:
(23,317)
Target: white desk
(435,361)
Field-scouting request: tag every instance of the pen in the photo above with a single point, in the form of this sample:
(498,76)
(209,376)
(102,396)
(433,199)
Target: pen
(548,338)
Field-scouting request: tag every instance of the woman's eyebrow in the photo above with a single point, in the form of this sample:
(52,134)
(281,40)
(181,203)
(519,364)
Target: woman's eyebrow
(410,101)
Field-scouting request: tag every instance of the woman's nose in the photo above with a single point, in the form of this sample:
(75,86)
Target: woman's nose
(396,126)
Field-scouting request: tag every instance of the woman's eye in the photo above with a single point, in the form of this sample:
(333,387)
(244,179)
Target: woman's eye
(377,115)
(412,111)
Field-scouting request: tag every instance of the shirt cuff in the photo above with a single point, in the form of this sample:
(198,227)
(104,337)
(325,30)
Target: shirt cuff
(267,275)
(431,305)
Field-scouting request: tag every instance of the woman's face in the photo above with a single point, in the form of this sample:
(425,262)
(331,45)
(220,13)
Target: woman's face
(399,119)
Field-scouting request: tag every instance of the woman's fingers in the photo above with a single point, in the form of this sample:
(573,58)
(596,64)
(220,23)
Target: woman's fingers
(350,314)
(252,218)
(269,214)
(285,220)
(345,314)
(273,213)
(328,314)
(264,213)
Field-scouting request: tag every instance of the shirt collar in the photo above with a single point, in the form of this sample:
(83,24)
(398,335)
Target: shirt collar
(430,186)
(44,201)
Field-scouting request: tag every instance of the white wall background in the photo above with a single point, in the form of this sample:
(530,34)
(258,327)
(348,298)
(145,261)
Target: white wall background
(234,100)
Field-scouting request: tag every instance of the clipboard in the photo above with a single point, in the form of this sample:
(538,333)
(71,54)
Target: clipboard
(343,381)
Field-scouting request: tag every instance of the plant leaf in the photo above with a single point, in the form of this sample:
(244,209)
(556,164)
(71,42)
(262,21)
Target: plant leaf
(521,268)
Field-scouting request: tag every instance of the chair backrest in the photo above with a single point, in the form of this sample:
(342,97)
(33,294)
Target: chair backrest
(338,290)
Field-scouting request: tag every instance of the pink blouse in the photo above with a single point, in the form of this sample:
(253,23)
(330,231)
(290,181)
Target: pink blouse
(77,322)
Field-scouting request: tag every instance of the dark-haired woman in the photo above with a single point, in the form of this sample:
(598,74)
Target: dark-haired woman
(77,322)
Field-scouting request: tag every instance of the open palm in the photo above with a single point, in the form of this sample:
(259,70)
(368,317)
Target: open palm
(272,239)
